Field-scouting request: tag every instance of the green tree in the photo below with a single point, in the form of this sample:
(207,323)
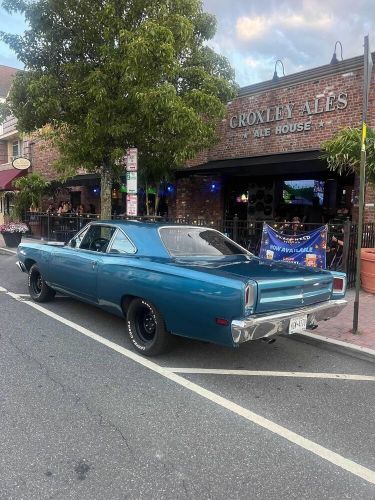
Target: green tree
(343,152)
(111,74)
(30,191)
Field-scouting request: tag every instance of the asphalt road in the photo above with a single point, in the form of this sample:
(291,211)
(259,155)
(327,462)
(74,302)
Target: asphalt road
(84,417)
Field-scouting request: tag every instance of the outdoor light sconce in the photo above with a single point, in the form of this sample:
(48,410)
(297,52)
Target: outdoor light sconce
(334,59)
(275,75)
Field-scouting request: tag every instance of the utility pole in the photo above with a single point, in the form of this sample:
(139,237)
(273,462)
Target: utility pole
(362,176)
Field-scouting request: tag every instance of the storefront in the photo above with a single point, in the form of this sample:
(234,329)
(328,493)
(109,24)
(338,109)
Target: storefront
(268,163)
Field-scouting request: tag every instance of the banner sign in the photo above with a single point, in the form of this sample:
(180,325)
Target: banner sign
(307,249)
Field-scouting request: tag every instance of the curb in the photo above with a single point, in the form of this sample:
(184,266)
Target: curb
(337,345)
(9,251)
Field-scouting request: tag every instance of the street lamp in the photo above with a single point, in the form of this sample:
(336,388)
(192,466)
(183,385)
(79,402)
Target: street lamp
(275,75)
(334,59)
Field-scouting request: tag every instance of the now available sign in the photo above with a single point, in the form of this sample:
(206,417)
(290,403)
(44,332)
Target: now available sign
(307,249)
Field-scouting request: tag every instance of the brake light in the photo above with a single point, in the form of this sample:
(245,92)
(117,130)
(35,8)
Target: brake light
(339,285)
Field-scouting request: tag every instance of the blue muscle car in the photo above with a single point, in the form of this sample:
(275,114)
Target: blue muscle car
(181,280)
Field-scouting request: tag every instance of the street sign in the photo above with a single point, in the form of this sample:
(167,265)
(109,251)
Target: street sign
(131,204)
(131,182)
(132,160)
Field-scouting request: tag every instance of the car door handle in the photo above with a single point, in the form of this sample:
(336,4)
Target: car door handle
(94,264)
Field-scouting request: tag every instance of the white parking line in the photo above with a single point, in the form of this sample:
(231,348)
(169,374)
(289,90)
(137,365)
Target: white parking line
(252,373)
(307,444)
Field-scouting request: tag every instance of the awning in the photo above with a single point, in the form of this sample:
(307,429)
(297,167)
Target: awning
(7,177)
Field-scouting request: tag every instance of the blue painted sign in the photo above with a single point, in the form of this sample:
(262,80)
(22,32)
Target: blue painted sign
(307,249)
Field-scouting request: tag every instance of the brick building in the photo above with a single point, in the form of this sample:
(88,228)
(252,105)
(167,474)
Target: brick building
(269,148)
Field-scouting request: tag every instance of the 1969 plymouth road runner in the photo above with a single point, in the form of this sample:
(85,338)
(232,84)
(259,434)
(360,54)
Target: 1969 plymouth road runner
(181,280)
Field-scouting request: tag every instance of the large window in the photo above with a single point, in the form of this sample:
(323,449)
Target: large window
(194,241)
(122,244)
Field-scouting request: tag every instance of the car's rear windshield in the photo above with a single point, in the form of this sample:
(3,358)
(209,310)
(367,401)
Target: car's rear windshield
(195,241)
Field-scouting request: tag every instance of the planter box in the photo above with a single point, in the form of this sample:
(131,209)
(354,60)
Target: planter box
(368,269)
(12,240)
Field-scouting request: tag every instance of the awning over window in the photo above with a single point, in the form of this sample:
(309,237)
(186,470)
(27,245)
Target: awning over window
(7,177)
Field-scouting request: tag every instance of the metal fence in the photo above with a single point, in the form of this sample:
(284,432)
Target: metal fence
(341,240)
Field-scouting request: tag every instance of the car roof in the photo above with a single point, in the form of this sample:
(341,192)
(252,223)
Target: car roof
(145,235)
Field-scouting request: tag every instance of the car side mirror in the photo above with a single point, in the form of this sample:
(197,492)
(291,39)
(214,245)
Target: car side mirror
(73,243)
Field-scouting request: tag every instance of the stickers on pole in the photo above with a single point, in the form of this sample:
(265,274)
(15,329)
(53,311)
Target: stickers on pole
(131,181)
(131,204)
(132,160)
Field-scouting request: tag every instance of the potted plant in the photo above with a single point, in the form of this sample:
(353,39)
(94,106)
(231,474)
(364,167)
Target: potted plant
(12,233)
(368,269)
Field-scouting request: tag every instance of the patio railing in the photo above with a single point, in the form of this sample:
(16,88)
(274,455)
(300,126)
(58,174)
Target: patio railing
(247,233)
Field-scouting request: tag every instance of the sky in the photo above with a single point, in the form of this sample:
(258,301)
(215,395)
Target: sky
(253,34)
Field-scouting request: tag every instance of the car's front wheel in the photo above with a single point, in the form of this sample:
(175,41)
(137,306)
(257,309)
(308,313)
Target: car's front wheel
(146,328)
(38,288)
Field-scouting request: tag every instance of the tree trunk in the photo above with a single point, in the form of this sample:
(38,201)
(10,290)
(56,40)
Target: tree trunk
(106,191)
(157,200)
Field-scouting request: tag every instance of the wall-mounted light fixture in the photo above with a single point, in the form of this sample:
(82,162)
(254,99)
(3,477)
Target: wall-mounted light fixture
(334,59)
(275,75)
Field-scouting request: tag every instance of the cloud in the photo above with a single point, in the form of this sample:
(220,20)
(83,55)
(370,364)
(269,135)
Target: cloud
(252,35)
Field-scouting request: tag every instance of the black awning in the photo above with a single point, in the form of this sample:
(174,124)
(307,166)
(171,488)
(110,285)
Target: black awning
(259,165)
(83,180)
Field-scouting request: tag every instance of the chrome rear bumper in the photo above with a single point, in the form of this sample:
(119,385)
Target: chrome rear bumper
(264,325)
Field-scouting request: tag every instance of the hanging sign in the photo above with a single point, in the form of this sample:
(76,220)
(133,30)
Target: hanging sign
(21,163)
(132,159)
(307,249)
(131,204)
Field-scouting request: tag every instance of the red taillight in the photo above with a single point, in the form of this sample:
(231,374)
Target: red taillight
(222,321)
(338,285)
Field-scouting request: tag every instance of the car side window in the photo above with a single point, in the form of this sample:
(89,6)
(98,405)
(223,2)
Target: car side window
(122,244)
(76,241)
(97,238)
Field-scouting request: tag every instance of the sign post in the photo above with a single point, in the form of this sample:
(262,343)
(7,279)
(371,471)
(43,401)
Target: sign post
(362,177)
(131,182)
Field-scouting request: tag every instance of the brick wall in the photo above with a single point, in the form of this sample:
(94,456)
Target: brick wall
(329,91)
(198,197)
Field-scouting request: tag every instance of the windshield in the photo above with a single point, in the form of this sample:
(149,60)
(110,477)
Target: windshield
(194,241)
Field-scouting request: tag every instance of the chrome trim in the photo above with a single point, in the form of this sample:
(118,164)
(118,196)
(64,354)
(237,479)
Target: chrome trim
(21,266)
(264,325)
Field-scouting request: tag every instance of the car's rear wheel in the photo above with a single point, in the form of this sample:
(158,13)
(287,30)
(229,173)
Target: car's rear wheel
(38,288)
(146,328)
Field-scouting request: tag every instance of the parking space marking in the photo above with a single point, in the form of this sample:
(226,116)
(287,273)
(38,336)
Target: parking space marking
(252,373)
(315,448)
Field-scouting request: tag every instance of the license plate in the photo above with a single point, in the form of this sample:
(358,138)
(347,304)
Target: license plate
(298,324)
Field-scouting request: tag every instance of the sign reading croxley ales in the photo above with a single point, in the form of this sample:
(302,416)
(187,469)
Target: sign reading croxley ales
(298,115)
(308,249)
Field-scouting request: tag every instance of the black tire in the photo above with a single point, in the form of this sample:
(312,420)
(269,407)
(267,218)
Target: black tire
(146,328)
(38,288)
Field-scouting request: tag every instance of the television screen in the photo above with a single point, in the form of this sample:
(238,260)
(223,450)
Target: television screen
(302,192)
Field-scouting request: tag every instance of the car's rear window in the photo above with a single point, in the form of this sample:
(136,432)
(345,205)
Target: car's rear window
(194,241)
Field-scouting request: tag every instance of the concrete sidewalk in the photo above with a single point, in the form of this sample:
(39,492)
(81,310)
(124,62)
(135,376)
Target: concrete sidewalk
(337,330)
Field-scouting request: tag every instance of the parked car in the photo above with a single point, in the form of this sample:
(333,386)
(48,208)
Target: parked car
(181,280)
